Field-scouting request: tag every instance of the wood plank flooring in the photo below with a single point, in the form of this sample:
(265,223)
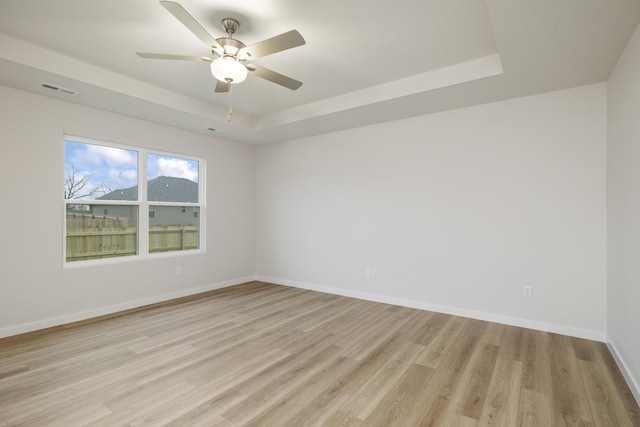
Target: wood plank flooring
(265,355)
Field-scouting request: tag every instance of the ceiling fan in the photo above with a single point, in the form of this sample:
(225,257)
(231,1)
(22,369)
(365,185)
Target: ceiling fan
(229,64)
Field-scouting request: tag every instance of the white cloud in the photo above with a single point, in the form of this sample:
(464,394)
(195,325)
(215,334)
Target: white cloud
(122,178)
(178,168)
(112,156)
(130,174)
(114,174)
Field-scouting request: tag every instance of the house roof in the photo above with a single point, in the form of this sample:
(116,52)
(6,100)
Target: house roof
(363,62)
(160,189)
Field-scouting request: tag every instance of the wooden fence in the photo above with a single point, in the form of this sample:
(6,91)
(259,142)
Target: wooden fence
(94,237)
(173,238)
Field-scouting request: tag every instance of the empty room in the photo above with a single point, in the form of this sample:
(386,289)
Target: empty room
(297,213)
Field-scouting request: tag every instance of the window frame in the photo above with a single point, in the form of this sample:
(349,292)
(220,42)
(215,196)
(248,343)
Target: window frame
(142,203)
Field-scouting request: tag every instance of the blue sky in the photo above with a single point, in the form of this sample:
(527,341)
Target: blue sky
(116,168)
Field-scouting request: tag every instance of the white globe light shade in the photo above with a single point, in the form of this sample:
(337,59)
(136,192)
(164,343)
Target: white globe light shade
(227,69)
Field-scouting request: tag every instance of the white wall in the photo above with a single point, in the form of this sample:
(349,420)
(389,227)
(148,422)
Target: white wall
(457,211)
(35,291)
(623,194)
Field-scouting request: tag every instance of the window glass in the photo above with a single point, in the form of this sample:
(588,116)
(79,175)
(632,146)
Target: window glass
(172,179)
(101,231)
(100,172)
(174,228)
(103,201)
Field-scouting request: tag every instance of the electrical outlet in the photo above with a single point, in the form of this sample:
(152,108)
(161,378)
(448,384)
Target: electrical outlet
(527,291)
(179,270)
(374,273)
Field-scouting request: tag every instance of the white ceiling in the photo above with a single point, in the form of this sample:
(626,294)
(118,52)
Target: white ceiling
(364,61)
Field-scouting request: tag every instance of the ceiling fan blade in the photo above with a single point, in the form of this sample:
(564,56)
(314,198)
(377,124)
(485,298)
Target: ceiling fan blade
(274,44)
(148,55)
(274,77)
(222,86)
(192,25)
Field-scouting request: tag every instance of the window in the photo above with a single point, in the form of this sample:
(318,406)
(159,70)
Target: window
(109,190)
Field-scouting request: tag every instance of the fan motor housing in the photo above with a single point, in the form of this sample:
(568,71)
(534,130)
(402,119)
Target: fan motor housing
(230,46)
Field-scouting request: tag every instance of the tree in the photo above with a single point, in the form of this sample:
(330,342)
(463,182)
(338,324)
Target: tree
(77,186)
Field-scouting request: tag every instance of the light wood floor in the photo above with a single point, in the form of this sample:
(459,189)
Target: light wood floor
(266,355)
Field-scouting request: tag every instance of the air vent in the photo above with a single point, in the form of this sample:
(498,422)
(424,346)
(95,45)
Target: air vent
(59,89)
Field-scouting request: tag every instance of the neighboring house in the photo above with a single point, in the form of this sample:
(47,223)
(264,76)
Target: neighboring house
(160,189)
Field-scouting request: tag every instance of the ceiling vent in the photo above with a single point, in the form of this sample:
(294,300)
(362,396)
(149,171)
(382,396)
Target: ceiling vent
(59,89)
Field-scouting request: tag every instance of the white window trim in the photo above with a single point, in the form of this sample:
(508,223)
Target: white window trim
(143,207)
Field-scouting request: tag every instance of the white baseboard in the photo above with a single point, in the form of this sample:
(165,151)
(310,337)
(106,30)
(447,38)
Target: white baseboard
(422,305)
(101,311)
(634,383)
(457,311)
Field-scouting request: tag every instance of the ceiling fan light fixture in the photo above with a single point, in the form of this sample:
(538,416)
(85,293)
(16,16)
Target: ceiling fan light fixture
(228,69)
(230,50)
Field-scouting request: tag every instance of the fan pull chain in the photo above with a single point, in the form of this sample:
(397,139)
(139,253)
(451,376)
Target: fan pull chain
(229,102)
